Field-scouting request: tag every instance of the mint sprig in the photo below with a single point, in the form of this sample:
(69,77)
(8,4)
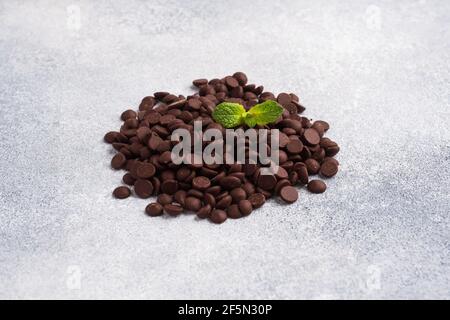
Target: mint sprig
(231,115)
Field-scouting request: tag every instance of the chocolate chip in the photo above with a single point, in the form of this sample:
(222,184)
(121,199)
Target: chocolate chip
(218,216)
(143,188)
(291,107)
(183,173)
(165,157)
(289,194)
(323,124)
(192,204)
(169,186)
(293,178)
(245,207)
(257,200)
(118,161)
(302,171)
(194,103)
(195,193)
(201,183)
(311,136)
(180,197)
(121,192)
(317,186)
(166,119)
(284,99)
(131,123)
(267,182)
(128,114)
(320,127)
(328,169)
(173,209)
(164,146)
(143,133)
(169,98)
(296,125)
(249,188)
(206,89)
(294,97)
(231,82)
(221,195)
(167,175)
(154,141)
(238,194)
(164,198)
(294,146)
(282,183)
(319,155)
(224,202)
(156,185)
(283,140)
(215,190)
(154,209)
(241,78)
(230,182)
(221,88)
(160,130)
(312,165)
(300,108)
(208,172)
(204,212)
(237,92)
(209,199)
(160,95)
(147,103)
(331,159)
(128,179)
(332,150)
(266,193)
(174,107)
(199,82)
(145,170)
(110,137)
(233,212)
(258,90)
(281,173)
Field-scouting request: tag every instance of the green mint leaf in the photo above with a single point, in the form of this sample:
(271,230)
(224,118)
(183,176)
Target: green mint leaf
(250,120)
(229,114)
(264,113)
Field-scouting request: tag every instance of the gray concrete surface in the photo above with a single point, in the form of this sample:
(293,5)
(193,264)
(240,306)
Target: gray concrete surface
(377,71)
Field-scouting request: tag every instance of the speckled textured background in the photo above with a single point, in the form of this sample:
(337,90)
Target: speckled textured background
(377,71)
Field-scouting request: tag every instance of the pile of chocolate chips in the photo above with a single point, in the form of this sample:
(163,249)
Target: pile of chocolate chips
(218,191)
